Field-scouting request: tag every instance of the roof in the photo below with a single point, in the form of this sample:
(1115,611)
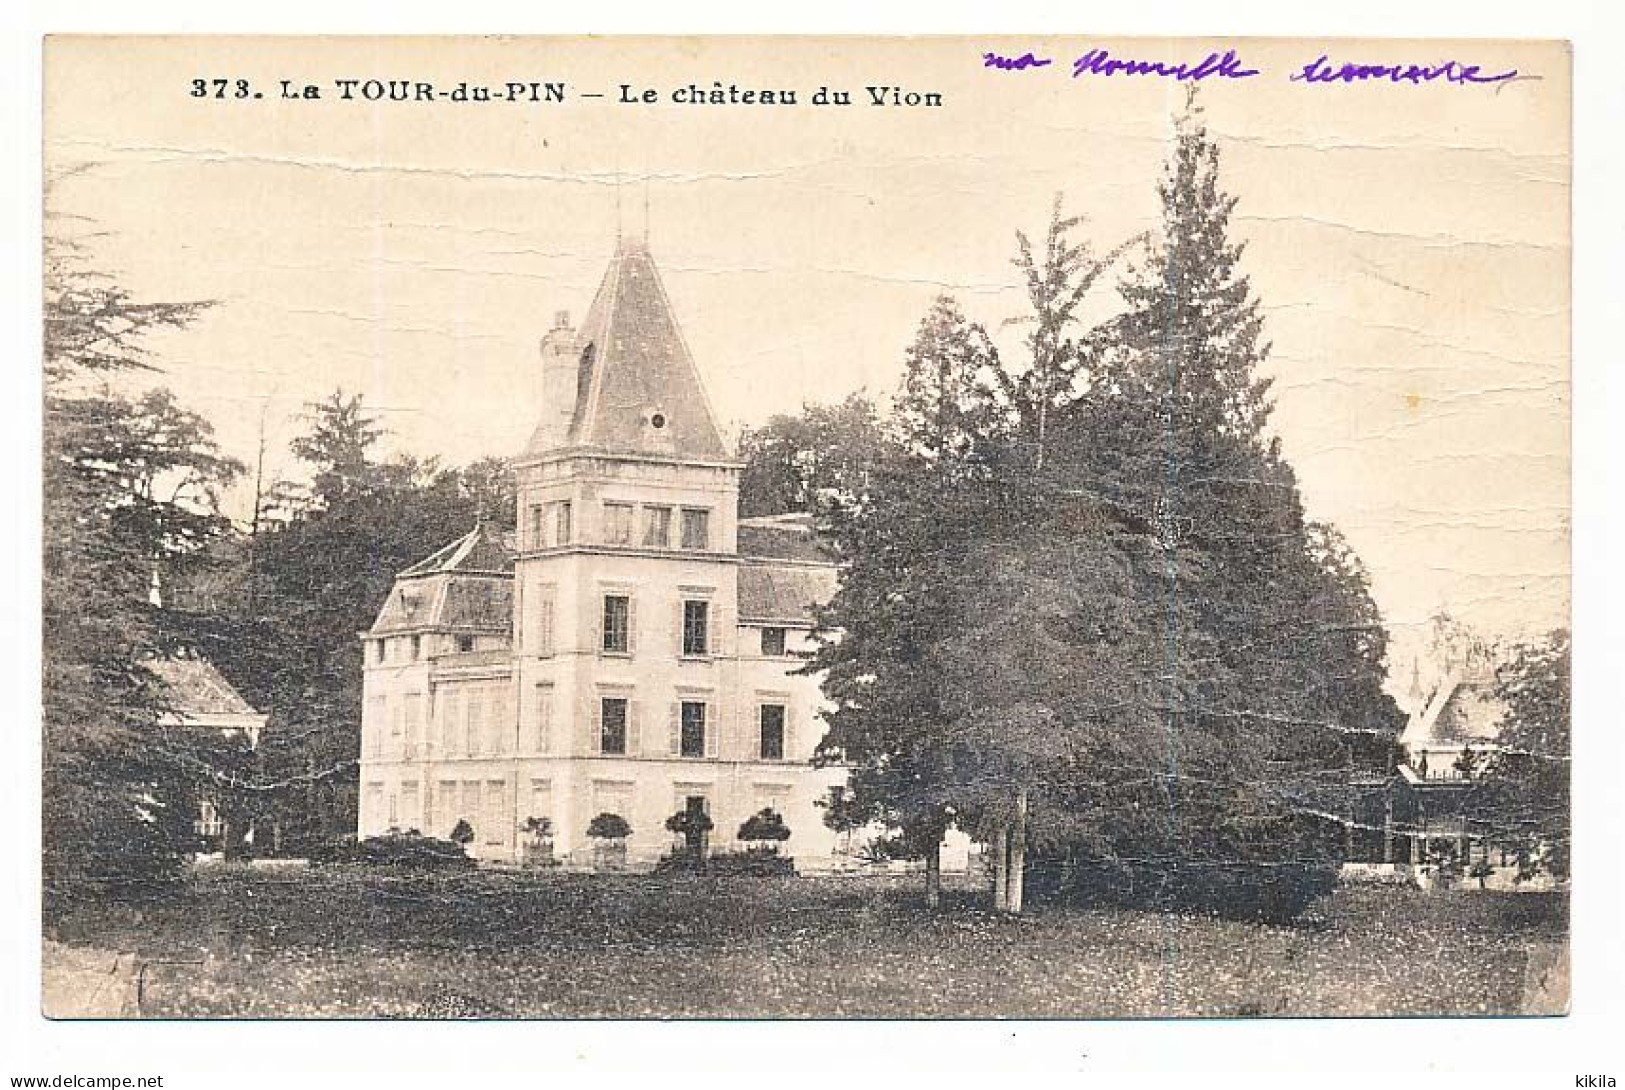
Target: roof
(1464,709)
(782,592)
(783,537)
(198,695)
(639,391)
(483,549)
(466,585)
(481,602)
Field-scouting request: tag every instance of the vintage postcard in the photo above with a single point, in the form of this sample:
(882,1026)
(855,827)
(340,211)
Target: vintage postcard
(805,527)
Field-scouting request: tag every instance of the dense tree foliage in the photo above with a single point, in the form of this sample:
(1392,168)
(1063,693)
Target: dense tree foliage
(1526,789)
(1083,611)
(130,485)
(807,462)
(286,602)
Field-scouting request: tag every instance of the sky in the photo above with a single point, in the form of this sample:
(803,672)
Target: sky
(1410,245)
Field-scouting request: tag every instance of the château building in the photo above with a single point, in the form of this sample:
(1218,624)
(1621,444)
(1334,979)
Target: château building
(631,649)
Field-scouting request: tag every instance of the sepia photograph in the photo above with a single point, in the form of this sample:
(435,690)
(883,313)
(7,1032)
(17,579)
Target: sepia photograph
(805,528)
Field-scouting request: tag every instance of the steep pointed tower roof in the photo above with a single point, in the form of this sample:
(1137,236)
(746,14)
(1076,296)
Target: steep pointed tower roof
(637,391)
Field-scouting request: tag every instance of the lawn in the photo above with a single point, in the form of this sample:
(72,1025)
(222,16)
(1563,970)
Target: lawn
(336,942)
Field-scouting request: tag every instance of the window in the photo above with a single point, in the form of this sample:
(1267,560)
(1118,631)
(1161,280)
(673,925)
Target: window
(208,821)
(618,523)
(617,624)
(696,627)
(495,796)
(541,799)
(772,732)
(536,527)
(696,528)
(691,742)
(409,805)
(657,527)
(373,725)
(445,808)
(414,723)
(449,719)
(612,728)
(378,651)
(773,641)
(537,635)
(474,702)
(561,523)
(497,723)
(544,717)
(417,648)
(465,644)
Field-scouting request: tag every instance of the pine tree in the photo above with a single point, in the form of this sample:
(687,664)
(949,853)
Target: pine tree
(1267,630)
(130,490)
(926,496)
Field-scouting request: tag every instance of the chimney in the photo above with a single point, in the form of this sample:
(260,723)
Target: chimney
(561,372)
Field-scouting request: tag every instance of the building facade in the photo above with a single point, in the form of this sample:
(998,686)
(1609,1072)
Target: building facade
(632,649)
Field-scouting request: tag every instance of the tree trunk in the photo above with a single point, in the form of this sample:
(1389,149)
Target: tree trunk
(1388,823)
(1001,875)
(1018,854)
(933,875)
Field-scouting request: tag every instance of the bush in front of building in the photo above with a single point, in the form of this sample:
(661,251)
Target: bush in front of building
(538,843)
(608,832)
(763,862)
(765,829)
(410,849)
(1264,892)
(750,863)
(693,825)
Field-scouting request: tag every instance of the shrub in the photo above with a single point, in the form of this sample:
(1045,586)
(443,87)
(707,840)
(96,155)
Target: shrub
(1264,892)
(691,823)
(766,825)
(395,849)
(462,833)
(340,849)
(538,845)
(609,827)
(751,863)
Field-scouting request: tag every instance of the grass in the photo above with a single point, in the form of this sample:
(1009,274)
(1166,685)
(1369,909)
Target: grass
(349,943)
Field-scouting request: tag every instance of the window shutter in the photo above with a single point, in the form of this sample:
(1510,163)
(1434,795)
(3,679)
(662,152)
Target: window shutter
(499,720)
(677,628)
(631,624)
(544,633)
(544,718)
(598,626)
(676,728)
(521,619)
(712,729)
(634,741)
(790,717)
(597,743)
